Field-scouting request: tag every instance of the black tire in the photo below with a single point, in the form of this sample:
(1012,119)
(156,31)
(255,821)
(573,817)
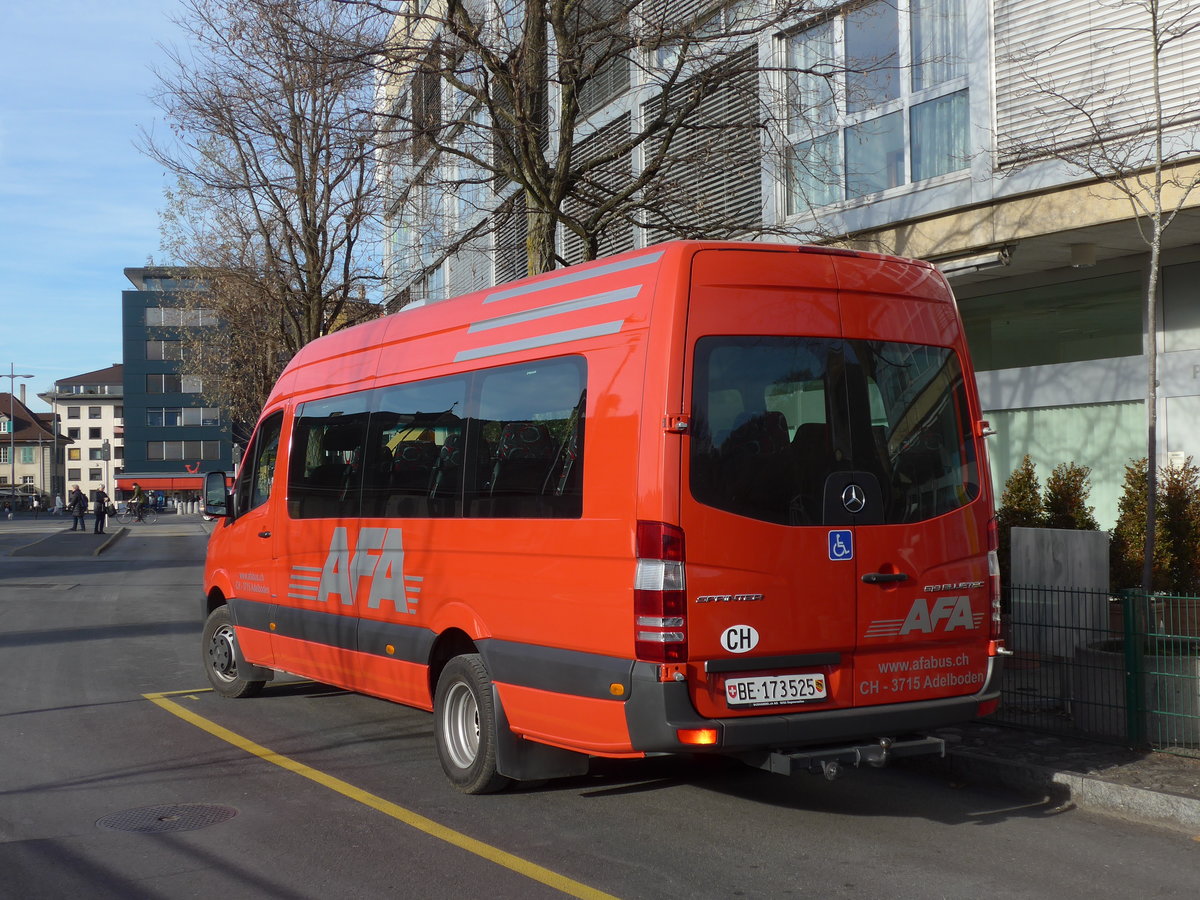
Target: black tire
(220,653)
(465,726)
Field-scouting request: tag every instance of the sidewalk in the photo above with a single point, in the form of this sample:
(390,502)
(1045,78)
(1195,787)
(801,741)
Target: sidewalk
(1156,788)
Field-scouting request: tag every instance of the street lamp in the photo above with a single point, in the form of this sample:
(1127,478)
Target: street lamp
(12,377)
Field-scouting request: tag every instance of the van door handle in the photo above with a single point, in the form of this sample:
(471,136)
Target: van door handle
(266,534)
(883,577)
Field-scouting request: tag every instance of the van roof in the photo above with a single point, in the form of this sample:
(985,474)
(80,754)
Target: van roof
(470,327)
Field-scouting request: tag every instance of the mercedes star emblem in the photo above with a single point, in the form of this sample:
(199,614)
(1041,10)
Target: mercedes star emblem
(853,499)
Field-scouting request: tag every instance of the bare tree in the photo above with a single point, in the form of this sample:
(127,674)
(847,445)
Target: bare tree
(581,119)
(271,146)
(1132,127)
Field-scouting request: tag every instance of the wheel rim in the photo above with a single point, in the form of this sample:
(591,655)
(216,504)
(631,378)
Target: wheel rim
(221,658)
(460,726)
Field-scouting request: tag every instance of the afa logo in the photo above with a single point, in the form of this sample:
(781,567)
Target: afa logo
(929,616)
(377,557)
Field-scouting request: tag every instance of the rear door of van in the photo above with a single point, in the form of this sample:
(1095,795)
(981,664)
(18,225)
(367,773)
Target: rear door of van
(835,517)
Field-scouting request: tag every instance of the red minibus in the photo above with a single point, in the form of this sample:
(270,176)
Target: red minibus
(700,497)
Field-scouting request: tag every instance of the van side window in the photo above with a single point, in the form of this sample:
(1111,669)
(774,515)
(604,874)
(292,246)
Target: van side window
(325,469)
(258,465)
(412,467)
(529,436)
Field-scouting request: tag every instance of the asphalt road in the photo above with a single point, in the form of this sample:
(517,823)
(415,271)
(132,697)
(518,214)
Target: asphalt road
(122,777)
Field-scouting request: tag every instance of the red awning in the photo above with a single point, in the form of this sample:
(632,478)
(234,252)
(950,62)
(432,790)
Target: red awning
(172,483)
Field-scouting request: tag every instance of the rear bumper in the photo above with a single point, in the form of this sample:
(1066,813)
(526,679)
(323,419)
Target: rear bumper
(656,710)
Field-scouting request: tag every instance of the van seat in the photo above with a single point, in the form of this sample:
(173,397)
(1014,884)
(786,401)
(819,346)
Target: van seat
(412,465)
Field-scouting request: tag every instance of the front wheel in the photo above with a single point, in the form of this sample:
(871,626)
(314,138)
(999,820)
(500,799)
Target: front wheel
(124,517)
(465,728)
(219,647)
(149,517)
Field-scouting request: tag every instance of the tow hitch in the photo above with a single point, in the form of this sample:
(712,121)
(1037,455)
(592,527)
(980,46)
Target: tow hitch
(829,761)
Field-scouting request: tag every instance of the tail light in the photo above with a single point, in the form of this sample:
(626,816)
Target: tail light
(994,631)
(659,597)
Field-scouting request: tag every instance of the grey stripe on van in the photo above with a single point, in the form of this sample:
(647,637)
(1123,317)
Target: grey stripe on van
(541,340)
(574,277)
(555,309)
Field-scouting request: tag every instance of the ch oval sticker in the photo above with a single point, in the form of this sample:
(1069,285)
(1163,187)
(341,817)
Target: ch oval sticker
(739,638)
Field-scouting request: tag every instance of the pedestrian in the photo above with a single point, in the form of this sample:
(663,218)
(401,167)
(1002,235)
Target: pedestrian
(37,507)
(59,506)
(7,509)
(101,500)
(77,506)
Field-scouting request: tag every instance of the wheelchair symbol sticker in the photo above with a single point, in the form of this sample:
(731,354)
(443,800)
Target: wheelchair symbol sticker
(841,544)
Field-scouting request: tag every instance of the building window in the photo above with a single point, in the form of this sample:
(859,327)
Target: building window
(95,474)
(900,113)
(73,412)
(95,434)
(157,450)
(163,383)
(4,455)
(25,457)
(201,415)
(162,417)
(1094,318)
(26,479)
(74,453)
(95,412)
(171,350)
(176,316)
(118,412)
(73,433)
(96,453)
(73,474)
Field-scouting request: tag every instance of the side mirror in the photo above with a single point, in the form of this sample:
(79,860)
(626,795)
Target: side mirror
(216,497)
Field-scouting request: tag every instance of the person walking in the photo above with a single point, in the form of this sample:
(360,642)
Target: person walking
(77,506)
(101,500)
(59,506)
(37,507)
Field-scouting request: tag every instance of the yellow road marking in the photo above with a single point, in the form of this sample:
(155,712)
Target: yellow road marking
(516,864)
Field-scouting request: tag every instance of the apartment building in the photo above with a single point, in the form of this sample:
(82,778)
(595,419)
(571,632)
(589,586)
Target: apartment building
(89,409)
(29,446)
(997,138)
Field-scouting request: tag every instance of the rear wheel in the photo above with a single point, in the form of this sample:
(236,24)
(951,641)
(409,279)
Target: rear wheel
(219,646)
(465,727)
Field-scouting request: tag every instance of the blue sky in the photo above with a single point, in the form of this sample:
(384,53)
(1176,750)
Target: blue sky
(78,201)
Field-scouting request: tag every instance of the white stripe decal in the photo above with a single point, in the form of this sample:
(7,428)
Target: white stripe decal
(541,340)
(555,309)
(574,277)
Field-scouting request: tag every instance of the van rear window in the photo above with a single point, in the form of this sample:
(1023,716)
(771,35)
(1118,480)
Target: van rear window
(780,424)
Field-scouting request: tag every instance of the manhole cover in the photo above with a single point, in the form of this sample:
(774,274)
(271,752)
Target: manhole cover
(175,817)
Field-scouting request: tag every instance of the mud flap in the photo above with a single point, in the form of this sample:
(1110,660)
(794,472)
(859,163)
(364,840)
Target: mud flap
(524,760)
(248,671)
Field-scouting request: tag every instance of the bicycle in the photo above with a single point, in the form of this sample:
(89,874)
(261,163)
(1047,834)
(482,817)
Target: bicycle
(127,516)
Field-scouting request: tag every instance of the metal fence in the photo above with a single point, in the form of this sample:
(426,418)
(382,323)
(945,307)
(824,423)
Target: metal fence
(1121,668)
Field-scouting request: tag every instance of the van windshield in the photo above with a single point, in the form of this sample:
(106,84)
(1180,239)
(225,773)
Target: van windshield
(782,424)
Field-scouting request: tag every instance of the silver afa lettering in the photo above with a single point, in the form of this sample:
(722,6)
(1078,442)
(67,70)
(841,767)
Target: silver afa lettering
(951,612)
(378,556)
(335,574)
